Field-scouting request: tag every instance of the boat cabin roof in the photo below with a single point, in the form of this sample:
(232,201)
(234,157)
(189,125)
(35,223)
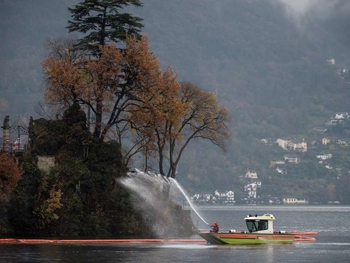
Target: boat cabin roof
(260,224)
(268,217)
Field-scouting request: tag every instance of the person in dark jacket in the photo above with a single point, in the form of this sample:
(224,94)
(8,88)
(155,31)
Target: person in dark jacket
(214,227)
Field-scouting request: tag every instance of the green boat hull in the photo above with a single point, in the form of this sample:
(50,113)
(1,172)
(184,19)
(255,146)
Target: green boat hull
(246,238)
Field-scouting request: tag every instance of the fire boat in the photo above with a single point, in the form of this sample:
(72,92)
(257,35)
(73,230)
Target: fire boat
(260,231)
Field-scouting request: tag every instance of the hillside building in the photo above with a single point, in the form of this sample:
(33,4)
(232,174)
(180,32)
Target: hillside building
(252,174)
(295,201)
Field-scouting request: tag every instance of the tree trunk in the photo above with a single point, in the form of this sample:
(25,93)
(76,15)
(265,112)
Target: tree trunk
(98,125)
(161,170)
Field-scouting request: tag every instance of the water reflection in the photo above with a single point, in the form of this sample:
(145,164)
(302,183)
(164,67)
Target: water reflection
(136,253)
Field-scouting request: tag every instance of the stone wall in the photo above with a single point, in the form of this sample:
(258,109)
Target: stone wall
(46,162)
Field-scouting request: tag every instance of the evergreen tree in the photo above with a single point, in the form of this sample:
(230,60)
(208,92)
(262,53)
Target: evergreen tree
(103,22)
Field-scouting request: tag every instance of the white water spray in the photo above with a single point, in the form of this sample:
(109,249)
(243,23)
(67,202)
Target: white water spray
(188,199)
(148,188)
(154,206)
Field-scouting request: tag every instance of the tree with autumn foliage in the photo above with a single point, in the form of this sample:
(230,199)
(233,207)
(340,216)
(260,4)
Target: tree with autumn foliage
(159,111)
(184,113)
(204,120)
(10,173)
(109,86)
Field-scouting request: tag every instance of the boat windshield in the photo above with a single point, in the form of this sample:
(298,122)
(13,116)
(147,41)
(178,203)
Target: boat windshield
(257,225)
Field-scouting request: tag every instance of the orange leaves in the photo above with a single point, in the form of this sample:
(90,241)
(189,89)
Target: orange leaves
(52,204)
(141,69)
(153,93)
(159,105)
(102,76)
(85,79)
(63,76)
(10,173)
(47,212)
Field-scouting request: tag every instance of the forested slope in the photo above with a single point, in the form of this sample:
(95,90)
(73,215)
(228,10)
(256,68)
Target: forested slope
(269,71)
(268,66)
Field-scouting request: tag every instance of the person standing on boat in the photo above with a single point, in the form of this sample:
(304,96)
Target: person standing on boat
(215,227)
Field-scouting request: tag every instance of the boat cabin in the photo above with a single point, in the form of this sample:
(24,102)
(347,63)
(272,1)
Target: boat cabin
(260,224)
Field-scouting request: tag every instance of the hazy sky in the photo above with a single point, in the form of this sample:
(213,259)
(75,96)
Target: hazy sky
(333,15)
(325,7)
(298,5)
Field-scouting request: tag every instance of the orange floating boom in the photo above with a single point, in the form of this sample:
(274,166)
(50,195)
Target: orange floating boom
(98,241)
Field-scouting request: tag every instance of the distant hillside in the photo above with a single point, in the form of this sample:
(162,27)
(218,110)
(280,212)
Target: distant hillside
(271,72)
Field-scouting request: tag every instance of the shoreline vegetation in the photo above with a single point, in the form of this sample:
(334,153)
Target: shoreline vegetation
(79,195)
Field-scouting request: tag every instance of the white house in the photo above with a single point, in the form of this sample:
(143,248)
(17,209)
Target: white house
(341,115)
(265,141)
(342,142)
(292,144)
(219,197)
(297,145)
(324,156)
(328,167)
(291,158)
(201,198)
(226,197)
(281,170)
(283,143)
(281,162)
(294,200)
(331,61)
(325,141)
(251,174)
(251,189)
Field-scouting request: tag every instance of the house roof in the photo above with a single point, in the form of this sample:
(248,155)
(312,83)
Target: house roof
(291,156)
(319,128)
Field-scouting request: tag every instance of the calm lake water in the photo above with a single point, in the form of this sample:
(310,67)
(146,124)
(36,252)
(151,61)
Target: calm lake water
(332,244)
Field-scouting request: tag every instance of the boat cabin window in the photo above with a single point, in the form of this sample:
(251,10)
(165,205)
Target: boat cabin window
(257,225)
